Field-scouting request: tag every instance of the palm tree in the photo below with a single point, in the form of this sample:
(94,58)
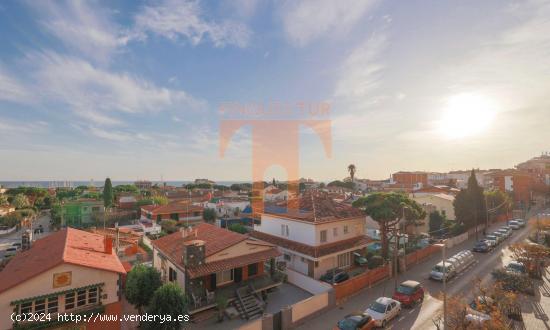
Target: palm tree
(351,170)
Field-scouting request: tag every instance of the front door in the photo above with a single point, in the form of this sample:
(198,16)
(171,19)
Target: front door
(238,275)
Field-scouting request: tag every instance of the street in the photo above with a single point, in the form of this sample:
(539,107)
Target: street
(420,317)
(15,237)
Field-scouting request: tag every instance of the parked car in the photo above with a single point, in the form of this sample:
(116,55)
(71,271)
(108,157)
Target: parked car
(500,236)
(514,225)
(467,256)
(383,310)
(356,321)
(334,276)
(521,222)
(507,231)
(359,259)
(482,246)
(492,239)
(516,267)
(441,270)
(10,252)
(16,245)
(409,293)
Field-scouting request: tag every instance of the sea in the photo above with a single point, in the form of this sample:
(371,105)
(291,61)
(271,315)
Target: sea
(58,184)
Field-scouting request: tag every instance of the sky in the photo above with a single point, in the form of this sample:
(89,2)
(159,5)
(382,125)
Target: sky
(133,89)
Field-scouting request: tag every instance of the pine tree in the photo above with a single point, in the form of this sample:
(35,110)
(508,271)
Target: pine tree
(108,197)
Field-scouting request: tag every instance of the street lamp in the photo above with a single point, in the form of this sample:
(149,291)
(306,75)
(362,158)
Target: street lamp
(443,245)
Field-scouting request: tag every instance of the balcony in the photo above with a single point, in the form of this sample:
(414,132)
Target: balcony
(259,283)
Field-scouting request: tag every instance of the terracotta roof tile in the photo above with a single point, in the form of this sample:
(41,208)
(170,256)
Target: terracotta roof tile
(215,238)
(218,266)
(65,246)
(313,251)
(314,206)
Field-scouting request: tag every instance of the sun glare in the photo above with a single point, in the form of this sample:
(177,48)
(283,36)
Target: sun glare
(466,115)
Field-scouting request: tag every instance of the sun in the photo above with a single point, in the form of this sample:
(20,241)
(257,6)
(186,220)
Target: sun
(466,115)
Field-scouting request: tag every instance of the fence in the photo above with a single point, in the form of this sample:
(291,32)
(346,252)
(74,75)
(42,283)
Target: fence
(456,240)
(309,306)
(420,255)
(307,283)
(354,284)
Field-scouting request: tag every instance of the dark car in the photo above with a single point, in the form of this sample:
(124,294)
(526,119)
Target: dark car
(356,321)
(481,246)
(335,276)
(409,293)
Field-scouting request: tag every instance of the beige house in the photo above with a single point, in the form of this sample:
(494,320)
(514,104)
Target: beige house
(70,271)
(314,233)
(434,202)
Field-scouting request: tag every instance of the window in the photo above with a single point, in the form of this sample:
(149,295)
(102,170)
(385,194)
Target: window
(52,305)
(92,295)
(344,260)
(196,214)
(81,298)
(40,306)
(252,269)
(346,230)
(334,232)
(287,257)
(172,275)
(78,298)
(323,236)
(26,307)
(224,277)
(69,300)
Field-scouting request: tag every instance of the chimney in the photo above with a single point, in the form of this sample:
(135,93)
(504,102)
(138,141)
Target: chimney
(193,253)
(108,245)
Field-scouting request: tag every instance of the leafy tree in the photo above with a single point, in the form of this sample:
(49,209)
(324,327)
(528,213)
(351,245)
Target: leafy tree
(20,201)
(469,204)
(301,187)
(56,215)
(532,256)
(160,200)
(209,215)
(141,283)
(108,196)
(221,304)
(169,226)
(387,209)
(127,188)
(338,183)
(169,299)
(10,220)
(3,200)
(436,222)
(351,170)
(143,202)
(238,228)
(235,187)
(498,202)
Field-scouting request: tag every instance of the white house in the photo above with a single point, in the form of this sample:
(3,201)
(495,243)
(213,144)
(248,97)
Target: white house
(314,233)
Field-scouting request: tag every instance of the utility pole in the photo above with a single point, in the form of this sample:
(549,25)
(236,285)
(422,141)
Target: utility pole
(396,247)
(444,286)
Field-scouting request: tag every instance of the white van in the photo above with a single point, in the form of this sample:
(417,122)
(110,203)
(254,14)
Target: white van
(439,271)
(467,257)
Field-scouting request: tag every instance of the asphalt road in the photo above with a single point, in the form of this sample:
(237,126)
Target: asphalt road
(6,241)
(420,317)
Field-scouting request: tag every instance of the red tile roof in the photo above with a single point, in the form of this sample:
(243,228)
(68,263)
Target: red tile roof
(315,206)
(70,246)
(218,266)
(313,251)
(216,239)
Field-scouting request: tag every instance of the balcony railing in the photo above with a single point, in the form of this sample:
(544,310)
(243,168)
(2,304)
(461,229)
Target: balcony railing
(259,283)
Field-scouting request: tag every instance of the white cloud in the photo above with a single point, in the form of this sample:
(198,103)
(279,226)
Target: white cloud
(360,74)
(97,94)
(83,27)
(11,89)
(184,19)
(305,21)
